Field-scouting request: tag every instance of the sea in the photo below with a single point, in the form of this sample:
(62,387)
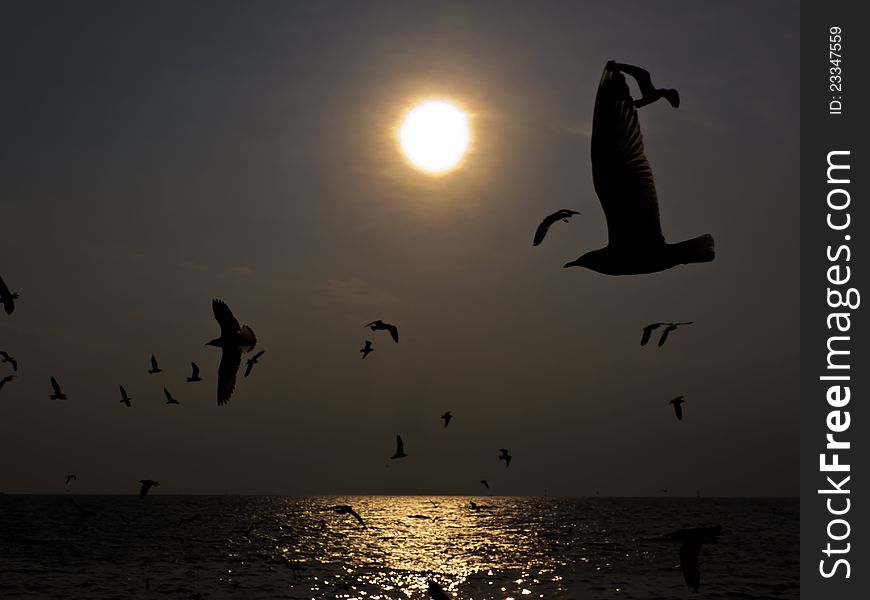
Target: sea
(505,548)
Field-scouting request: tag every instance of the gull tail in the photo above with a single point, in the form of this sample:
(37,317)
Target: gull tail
(695,250)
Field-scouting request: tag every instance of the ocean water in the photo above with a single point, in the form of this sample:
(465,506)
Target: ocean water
(257,547)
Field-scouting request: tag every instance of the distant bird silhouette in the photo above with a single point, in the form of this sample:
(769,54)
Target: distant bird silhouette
(447,416)
(505,457)
(400,448)
(436,592)
(8,359)
(125,399)
(71,478)
(147,484)
(7,298)
(647,332)
(624,183)
(234,340)
(6,380)
(544,227)
(649,93)
(252,361)
(345,509)
(678,407)
(377,325)
(367,348)
(169,398)
(485,483)
(57,395)
(194,375)
(690,551)
(473,505)
(154,368)
(671,327)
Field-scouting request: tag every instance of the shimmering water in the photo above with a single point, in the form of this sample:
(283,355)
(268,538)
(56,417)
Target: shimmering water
(252,547)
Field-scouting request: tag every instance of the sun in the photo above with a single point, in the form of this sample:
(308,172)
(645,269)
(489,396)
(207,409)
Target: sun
(434,136)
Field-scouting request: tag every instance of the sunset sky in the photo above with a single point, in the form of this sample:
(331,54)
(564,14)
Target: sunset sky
(157,155)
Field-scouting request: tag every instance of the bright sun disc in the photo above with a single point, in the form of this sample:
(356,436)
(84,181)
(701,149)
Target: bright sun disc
(434,136)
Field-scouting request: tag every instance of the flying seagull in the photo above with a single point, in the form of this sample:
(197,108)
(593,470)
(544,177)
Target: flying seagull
(9,359)
(154,368)
(252,361)
(505,457)
(344,509)
(649,93)
(7,298)
(624,183)
(377,325)
(400,448)
(234,340)
(169,398)
(485,483)
(544,227)
(125,399)
(671,327)
(647,332)
(446,416)
(367,348)
(690,551)
(71,478)
(194,375)
(147,484)
(5,380)
(678,407)
(57,395)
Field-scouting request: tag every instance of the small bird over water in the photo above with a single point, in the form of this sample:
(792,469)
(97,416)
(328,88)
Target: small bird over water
(252,361)
(147,484)
(125,399)
(378,325)
(7,298)
(690,551)
(505,457)
(169,398)
(678,407)
(8,359)
(447,416)
(194,375)
(57,395)
(436,592)
(400,448)
(544,227)
(485,483)
(234,340)
(367,348)
(71,478)
(154,368)
(345,509)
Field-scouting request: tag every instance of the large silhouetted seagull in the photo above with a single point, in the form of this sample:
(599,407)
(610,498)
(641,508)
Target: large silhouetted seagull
(671,327)
(690,551)
(6,380)
(147,484)
(7,298)
(505,457)
(169,398)
(8,359)
(624,183)
(345,509)
(678,407)
(544,227)
(194,374)
(367,348)
(125,399)
(154,368)
(376,325)
(234,340)
(400,448)
(55,386)
(252,361)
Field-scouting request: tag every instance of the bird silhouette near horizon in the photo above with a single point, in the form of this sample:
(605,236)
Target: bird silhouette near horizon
(346,509)
(505,457)
(125,399)
(678,407)
(400,448)
(367,348)
(560,215)
(58,394)
(234,340)
(690,551)
(253,361)
(154,368)
(7,298)
(623,181)
(71,478)
(169,398)
(436,592)
(671,327)
(380,325)
(6,380)
(447,416)
(194,374)
(8,359)
(147,484)
(485,483)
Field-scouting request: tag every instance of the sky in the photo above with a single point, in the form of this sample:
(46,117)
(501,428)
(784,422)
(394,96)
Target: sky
(157,155)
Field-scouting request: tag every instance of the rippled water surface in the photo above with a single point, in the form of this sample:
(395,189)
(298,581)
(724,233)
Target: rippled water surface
(275,547)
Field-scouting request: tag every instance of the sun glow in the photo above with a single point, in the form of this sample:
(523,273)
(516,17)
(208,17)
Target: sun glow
(434,136)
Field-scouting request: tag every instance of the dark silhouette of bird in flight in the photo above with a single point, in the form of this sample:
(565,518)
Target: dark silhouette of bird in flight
(71,478)
(8,359)
(647,332)
(505,457)
(57,395)
(436,592)
(690,551)
(400,448)
(625,187)
(194,375)
(485,483)
(252,361)
(6,380)
(378,325)
(678,407)
(345,509)
(671,327)
(154,368)
(367,348)
(447,416)
(125,399)
(560,215)
(234,340)
(147,484)
(649,93)
(169,398)
(7,298)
